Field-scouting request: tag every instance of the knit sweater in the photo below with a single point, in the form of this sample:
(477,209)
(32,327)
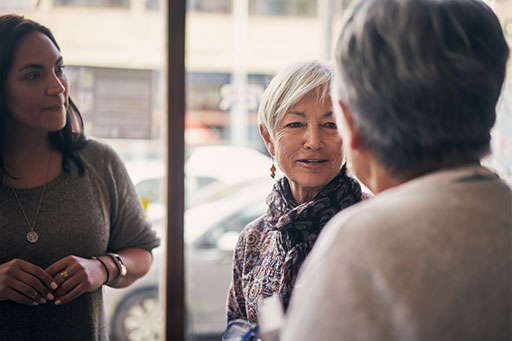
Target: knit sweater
(430,259)
(84,216)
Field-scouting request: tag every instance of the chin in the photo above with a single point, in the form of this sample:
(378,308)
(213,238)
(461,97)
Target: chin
(315,182)
(57,127)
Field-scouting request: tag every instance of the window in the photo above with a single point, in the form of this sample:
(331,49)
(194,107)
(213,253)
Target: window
(116,102)
(117,79)
(292,8)
(209,6)
(94,3)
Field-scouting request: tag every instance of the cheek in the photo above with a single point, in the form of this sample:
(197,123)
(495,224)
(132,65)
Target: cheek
(282,150)
(16,101)
(336,148)
(336,142)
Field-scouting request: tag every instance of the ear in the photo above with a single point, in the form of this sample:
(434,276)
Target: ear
(354,137)
(268,140)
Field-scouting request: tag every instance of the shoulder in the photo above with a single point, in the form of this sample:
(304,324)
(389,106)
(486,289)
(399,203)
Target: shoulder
(252,231)
(103,163)
(98,151)
(100,156)
(368,228)
(251,237)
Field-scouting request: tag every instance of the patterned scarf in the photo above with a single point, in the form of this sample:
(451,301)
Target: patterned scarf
(298,226)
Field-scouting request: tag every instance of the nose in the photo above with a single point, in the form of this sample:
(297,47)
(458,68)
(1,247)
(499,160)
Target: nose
(313,138)
(56,86)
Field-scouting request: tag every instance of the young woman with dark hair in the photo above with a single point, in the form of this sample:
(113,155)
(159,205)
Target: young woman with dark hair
(70,218)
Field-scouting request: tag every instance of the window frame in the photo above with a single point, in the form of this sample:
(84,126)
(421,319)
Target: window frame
(174,311)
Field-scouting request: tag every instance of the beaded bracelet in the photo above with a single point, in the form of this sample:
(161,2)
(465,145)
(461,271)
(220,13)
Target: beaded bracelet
(105,266)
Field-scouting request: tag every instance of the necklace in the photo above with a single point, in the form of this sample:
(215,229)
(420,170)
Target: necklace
(32,236)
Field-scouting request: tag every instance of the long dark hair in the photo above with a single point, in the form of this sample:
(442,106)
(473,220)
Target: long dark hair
(70,139)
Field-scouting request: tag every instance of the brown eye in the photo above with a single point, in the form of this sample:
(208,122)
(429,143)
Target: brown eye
(32,76)
(60,69)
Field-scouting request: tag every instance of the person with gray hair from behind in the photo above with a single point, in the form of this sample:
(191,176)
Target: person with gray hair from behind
(429,258)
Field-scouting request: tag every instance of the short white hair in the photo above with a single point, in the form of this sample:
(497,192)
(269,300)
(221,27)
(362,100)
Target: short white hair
(289,86)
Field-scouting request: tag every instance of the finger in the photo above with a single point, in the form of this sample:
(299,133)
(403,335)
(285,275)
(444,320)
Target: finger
(15,296)
(29,293)
(60,265)
(71,295)
(26,279)
(66,281)
(42,276)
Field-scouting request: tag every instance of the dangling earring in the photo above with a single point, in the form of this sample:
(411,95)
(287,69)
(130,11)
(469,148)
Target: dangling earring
(272,170)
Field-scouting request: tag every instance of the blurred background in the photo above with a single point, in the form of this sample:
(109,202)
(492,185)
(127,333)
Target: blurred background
(115,56)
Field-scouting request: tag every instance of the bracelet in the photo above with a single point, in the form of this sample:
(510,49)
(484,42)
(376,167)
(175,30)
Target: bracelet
(121,268)
(105,266)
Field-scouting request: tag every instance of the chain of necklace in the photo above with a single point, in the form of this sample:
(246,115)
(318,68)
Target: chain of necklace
(32,236)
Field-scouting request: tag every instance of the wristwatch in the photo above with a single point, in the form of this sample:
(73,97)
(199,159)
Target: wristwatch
(120,267)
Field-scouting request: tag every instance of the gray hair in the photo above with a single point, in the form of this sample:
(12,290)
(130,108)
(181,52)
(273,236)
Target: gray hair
(421,79)
(289,86)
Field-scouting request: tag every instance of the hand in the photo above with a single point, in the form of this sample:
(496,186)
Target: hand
(25,283)
(75,276)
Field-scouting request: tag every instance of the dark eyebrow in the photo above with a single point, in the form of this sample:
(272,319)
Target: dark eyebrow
(39,66)
(327,114)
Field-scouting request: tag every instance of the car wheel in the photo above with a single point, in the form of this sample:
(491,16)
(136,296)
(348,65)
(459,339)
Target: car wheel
(138,317)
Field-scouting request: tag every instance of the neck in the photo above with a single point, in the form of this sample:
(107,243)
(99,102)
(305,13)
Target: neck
(24,150)
(302,195)
(18,140)
(379,179)
(373,175)
(24,160)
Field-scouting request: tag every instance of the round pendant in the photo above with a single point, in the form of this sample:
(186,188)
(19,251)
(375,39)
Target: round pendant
(32,237)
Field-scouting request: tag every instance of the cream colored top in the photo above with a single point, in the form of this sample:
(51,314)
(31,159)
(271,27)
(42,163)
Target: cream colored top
(427,260)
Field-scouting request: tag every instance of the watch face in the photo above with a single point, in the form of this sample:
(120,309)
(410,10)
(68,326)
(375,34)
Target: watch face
(120,265)
(123,270)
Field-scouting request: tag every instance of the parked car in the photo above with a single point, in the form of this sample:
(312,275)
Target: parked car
(212,227)
(211,172)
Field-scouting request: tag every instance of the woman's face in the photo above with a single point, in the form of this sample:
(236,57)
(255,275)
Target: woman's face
(307,147)
(36,90)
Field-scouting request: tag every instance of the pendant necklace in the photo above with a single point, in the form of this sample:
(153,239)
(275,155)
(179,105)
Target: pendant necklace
(32,236)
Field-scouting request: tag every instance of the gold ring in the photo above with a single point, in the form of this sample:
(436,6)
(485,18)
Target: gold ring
(64,274)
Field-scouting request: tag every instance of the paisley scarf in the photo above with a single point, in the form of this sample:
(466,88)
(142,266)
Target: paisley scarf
(297,226)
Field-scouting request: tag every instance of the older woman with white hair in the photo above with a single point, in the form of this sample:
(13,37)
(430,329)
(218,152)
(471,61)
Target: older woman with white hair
(299,129)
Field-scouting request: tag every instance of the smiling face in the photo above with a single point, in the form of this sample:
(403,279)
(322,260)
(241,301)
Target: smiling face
(36,89)
(307,147)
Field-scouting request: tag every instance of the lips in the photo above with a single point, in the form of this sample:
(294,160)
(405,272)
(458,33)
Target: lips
(55,107)
(312,161)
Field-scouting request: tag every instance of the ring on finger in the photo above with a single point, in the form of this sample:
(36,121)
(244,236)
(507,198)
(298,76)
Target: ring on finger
(34,295)
(64,274)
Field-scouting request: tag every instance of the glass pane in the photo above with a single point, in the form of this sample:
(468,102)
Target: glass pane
(115,65)
(230,59)
(209,6)
(290,8)
(231,56)
(501,157)
(94,3)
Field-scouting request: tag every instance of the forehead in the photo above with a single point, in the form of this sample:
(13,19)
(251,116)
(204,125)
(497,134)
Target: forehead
(311,104)
(35,48)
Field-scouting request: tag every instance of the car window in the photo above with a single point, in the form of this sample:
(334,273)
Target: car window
(234,223)
(150,190)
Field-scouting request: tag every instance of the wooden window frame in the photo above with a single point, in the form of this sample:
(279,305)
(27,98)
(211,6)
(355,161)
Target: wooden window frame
(175,275)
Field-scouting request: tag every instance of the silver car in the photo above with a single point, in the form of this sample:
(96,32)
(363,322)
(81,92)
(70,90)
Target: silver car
(211,231)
